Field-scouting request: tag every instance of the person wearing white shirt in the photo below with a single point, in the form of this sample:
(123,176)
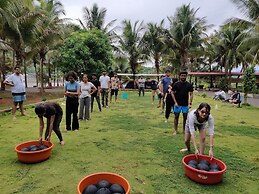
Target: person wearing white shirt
(17,81)
(197,119)
(141,85)
(86,89)
(105,87)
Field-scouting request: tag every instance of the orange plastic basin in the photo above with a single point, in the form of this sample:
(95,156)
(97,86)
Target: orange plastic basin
(96,177)
(201,176)
(36,156)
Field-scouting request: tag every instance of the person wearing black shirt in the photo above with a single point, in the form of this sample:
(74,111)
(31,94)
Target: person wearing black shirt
(96,94)
(53,112)
(182,96)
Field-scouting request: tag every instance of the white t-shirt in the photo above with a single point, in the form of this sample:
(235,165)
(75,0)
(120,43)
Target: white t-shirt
(104,81)
(141,82)
(85,89)
(192,122)
(18,81)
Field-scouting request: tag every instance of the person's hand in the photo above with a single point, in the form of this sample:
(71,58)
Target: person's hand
(176,105)
(48,138)
(197,153)
(190,106)
(211,153)
(40,140)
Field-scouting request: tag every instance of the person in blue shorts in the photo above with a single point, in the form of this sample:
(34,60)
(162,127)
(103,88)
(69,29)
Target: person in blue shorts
(182,96)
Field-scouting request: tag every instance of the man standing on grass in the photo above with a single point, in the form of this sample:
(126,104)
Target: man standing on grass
(96,94)
(105,88)
(182,94)
(141,85)
(115,85)
(17,81)
(165,82)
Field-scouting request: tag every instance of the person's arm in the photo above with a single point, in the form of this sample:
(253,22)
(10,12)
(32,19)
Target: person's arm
(8,81)
(99,90)
(94,89)
(191,120)
(174,99)
(190,99)
(162,88)
(41,129)
(211,134)
(52,118)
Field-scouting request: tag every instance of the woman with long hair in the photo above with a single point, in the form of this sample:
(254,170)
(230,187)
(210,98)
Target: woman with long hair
(197,119)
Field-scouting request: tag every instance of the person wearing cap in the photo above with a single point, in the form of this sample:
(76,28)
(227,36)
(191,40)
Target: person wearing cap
(53,112)
(115,85)
(182,96)
(105,87)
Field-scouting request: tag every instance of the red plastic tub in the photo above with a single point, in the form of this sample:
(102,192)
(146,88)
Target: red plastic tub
(201,176)
(96,177)
(36,156)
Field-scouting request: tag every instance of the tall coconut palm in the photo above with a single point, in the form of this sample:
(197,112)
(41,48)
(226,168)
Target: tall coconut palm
(50,31)
(131,43)
(185,32)
(232,53)
(154,46)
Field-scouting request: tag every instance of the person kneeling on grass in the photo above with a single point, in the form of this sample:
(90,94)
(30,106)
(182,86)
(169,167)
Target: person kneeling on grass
(197,119)
(53,112)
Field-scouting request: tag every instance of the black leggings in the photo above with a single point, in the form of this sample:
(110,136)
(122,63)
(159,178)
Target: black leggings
(72,108)
(56,125)
(169,103)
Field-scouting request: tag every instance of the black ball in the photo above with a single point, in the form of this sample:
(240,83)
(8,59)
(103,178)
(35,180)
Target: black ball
(204,162)
(91,189)
(42,147)
(192,165)
(213,170)
(33,149)
(193,162)
(116,188)
(103,184)
(32,146)
(103,191)
(215,166)
(203,166)
(25,149)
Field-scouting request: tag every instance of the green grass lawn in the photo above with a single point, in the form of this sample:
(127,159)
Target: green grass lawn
(131,139)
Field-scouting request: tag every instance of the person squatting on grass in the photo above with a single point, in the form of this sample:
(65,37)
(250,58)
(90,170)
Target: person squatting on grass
(197,119)
(182,94)
(86,89)
(17,81)
(53,112)
(72,91)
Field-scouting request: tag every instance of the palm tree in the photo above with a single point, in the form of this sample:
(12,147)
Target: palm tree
(185,32)
(154,45)
(231,52)
(131,43)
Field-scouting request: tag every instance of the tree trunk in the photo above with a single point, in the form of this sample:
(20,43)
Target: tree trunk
(49,71)
(35,68)
(41,77)
(3,71)
(157,67)
(25,73)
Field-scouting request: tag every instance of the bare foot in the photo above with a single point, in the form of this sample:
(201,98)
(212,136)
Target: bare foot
(184,150)
(62,143)
(14,118)
(175,133)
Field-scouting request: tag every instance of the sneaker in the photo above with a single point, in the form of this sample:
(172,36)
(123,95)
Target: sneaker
(166,121)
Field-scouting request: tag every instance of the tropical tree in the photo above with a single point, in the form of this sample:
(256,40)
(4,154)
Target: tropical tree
(231,52)
(86,52)
(186,31)
(154,46)
(249,82)
(131,44)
